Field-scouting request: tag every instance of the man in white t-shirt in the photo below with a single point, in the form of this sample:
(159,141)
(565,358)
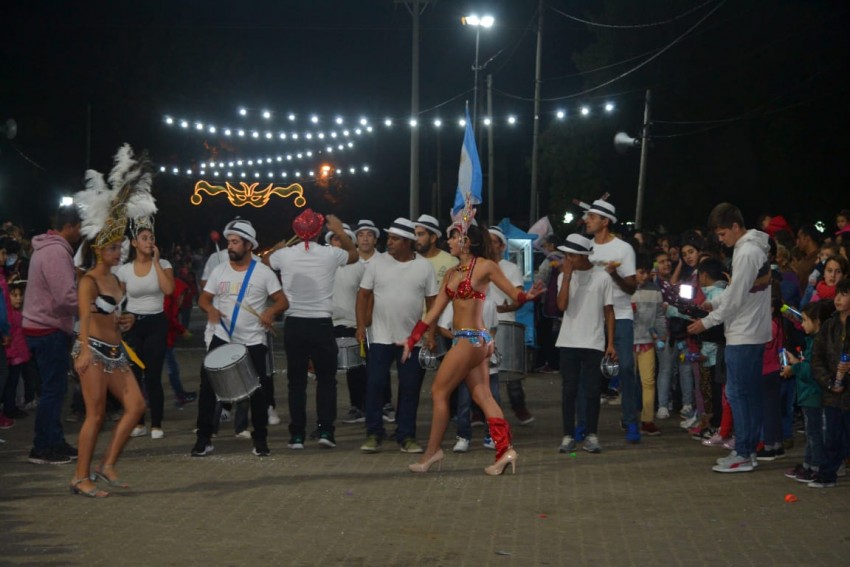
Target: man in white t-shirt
(585,296)
(427,233)
(346,284)
(398,281)
(617,258)
(307,273)
(506,310)
(240,322)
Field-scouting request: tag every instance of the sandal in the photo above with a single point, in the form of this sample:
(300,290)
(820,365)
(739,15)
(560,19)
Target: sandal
(93,493)
(99,475)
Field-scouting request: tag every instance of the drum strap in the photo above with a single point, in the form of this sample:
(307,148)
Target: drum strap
(239,298)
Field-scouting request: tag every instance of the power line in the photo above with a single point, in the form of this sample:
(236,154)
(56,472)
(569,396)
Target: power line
(634,26)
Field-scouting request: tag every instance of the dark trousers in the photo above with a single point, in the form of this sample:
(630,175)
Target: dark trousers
(580,365)
(207,419)
(410,375)
(52,353)
(772,421)
(148,338)
(356,377)
(304,339)
(837,426)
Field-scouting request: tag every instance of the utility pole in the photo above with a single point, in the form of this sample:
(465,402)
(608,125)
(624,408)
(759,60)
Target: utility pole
(491,199)
(438,188)
(532,208)
(644,150)
(415,7)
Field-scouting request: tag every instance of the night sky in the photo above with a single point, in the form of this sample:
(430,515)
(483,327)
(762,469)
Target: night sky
(129,65)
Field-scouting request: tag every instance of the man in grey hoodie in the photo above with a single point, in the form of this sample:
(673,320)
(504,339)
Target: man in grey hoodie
(745,310)
(50,307)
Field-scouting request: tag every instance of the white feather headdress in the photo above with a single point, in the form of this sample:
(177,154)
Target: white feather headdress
(105,209)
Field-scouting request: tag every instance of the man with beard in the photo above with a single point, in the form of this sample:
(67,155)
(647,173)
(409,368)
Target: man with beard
(427,234)
(235,300)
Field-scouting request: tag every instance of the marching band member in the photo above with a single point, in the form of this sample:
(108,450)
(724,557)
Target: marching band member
(308,274)
(346,284)
(398,281)
(427,233)
(468,358)
(240,322)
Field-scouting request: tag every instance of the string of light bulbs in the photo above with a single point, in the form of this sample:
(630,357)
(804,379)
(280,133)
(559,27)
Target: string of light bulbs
(322,171)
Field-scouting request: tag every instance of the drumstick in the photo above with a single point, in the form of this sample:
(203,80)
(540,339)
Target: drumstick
(253,312)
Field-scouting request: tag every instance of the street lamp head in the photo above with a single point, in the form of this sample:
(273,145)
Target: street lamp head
(474,20)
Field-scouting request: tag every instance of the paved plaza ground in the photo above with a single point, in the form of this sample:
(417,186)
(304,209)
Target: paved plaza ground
(658,503)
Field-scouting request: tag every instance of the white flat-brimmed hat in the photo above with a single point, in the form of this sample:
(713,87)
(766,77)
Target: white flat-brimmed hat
(345,228)
(402,227)
(243,229)
(497,232)
(429,223)
(577,244)
(366,224)
(604,209)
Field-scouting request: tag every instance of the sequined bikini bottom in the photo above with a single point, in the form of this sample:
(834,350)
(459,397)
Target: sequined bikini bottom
(111,357)
(477,337)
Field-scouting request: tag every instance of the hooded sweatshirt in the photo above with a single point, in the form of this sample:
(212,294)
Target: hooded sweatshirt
(744,309)
(50,303)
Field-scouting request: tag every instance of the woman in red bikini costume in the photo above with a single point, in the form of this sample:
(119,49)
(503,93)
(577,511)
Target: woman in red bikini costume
(472,346)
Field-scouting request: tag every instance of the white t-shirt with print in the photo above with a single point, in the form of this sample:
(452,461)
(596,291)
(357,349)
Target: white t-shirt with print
(144,296)
(399,288)
(616,251)
(307,275)
(583,325)
(514,275)
(224,284)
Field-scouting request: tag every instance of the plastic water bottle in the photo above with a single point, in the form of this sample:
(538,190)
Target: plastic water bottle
(659,344)
(838,383)
(783,357)
(791,314)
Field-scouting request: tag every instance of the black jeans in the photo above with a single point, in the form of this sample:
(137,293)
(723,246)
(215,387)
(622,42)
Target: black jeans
(259,403)
(356,377)
(580,365)
(148,338)
(304,339)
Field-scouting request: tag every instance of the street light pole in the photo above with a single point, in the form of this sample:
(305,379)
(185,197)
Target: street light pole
(475,87)
(491,192)
(644,150)
(532,206)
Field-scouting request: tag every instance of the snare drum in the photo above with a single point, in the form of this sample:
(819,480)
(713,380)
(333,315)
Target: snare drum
(348,353)
(510,342)
(231,374)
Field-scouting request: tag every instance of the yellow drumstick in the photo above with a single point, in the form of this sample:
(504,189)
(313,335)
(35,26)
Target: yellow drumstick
(134,358)
(362,349)
(253,312)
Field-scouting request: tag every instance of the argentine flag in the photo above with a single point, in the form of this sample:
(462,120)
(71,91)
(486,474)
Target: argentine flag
(469,173)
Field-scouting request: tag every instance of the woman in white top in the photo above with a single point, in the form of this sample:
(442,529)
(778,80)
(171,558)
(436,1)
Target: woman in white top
(147,280)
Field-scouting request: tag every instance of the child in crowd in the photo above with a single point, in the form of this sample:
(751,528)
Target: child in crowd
(809,395)
(662,270)
(827,250)
(17,354)
(772,448)
(464,397)
(712,282)
(586,296)
(650,328)
(5,340)
(831,347)
(834,269)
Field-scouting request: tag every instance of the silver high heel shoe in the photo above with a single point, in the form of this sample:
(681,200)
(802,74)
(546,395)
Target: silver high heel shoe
(436,458)
(497,468)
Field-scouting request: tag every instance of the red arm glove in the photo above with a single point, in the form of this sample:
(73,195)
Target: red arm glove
(419,330)
(522,298)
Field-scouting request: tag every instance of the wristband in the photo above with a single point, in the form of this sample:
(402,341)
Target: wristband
(521,298)
(416,334)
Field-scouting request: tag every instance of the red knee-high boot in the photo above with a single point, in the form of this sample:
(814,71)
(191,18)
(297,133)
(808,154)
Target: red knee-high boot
(500,431)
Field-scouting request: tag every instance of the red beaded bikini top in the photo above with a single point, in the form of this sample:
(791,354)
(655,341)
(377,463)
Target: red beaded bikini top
(464,288)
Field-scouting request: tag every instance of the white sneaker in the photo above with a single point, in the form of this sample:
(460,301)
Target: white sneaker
(568,445)
(690,422)
(462,445)
(157,433)
(244,434)
(274,419)
(662,413)
(139,431)
(733,463)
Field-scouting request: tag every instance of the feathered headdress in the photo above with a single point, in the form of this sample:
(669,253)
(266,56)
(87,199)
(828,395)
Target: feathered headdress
(464,218)
(106,209)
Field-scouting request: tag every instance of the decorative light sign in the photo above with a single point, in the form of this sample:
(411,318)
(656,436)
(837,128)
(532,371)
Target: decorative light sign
(248,194)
